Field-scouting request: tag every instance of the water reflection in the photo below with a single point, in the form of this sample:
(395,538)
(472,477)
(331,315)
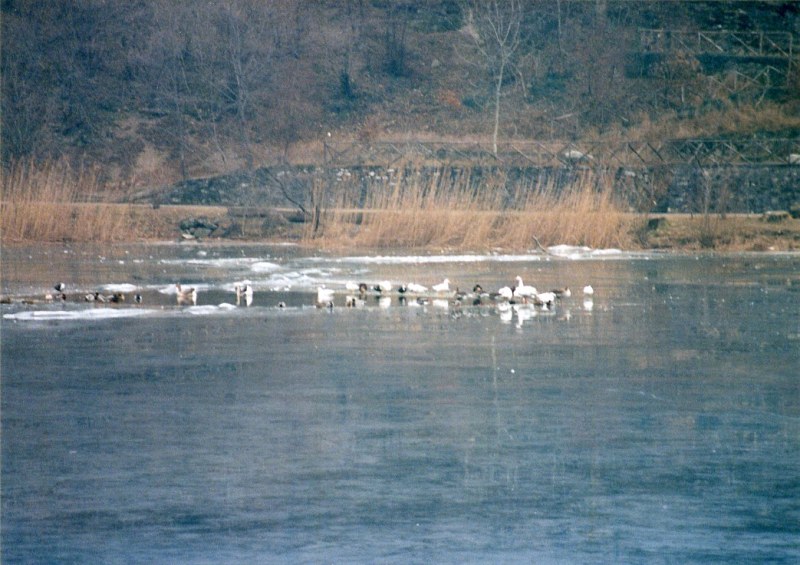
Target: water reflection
(662,421)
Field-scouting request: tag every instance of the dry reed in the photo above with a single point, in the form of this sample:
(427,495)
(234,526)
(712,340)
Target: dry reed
(53,202)
(453,208)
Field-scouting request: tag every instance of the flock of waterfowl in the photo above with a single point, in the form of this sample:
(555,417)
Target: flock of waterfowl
(355,294)
(518,293)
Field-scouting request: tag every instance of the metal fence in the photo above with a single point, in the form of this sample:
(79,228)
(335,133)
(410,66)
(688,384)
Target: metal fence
(705,151)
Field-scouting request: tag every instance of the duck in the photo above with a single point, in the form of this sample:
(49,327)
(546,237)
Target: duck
(117,297)
(443,286)
(186,295)
(562,292)
(243,291)
(137,298)
(60,287)
(383,286)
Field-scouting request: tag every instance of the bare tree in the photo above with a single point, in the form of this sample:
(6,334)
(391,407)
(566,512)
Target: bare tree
(397,20)
(351,39)
(495,28)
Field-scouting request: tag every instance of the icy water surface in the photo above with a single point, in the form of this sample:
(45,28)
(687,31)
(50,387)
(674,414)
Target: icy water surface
(658,422)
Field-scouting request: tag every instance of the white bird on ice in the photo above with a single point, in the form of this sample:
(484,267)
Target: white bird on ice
(443,286)
(324,296)
(524,290)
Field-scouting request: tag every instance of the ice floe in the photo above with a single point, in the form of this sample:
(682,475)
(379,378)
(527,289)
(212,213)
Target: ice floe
(84,314)
(121,287)
(264,267)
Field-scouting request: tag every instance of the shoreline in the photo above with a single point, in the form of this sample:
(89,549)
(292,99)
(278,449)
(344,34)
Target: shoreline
(144,224)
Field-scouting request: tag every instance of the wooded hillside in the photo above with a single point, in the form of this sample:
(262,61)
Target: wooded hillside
(158,90)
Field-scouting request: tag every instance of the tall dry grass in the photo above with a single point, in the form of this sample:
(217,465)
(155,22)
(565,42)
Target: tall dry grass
(54,202)
(451,208)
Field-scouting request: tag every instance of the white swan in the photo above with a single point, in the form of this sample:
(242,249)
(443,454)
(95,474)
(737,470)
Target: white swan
(324,296)
(185,295)
(443,286)
(506,292)
(545,299)
(524,290)
(243,291)
(416,288)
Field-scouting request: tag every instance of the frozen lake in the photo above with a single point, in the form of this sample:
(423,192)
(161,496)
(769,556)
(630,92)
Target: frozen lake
(658,422)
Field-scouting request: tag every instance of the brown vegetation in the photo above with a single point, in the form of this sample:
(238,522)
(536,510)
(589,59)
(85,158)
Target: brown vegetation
(161,90)
(447,210)
(53,202)
(450,209)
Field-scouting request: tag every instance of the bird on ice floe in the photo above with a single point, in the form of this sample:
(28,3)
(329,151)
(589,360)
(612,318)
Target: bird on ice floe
(352,301)
(324,297)
(415,288)
(443,286)
(545,299)
(243,292)
(361,288)
(50,297)
(523,290)
(383,286)
(185,295)
(506,292)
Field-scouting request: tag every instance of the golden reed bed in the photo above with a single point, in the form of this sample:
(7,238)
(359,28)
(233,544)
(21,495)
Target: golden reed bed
(55,203)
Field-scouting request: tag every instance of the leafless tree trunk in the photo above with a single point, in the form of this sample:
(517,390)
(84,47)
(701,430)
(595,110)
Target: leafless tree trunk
(354,14)
(497,39)
(239,88)
(397,21)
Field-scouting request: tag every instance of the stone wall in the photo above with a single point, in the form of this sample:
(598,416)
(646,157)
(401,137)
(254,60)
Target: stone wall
(734,189)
